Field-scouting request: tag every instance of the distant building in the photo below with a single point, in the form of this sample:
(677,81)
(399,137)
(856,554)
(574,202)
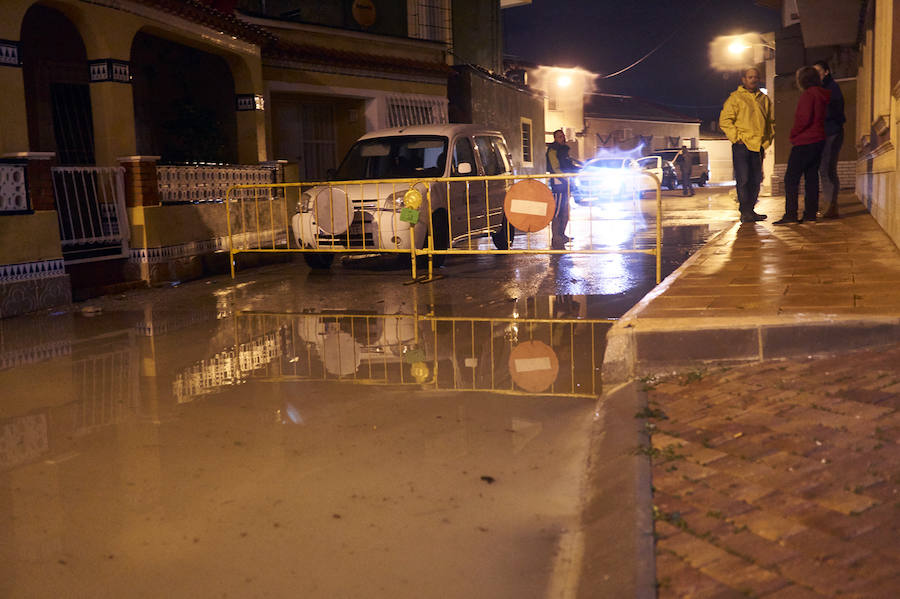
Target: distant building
(621,123)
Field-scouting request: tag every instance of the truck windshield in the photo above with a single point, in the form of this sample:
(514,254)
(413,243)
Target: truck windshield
(397,157)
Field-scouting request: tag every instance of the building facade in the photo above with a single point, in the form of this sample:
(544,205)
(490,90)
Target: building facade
(877,113)
(618,123)
(810,32)
(126,120)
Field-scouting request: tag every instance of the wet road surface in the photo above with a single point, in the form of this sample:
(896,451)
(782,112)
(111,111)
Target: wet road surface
(293,433)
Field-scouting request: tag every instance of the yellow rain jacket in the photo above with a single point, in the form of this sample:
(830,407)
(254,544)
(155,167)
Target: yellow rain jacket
(748,117)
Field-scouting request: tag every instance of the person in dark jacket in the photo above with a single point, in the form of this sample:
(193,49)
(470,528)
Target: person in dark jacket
(558,161)
(808,139)
(834,139)
(684,161)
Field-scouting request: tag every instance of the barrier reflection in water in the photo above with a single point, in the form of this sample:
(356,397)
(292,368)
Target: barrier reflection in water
(556,357)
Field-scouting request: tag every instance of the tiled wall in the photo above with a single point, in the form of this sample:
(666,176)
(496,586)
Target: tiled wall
(846,175)
(33,286)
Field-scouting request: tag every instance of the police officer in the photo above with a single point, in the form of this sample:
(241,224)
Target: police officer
(684,160)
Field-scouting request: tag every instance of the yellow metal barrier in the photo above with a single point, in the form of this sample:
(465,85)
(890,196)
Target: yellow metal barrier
(432,218)
(522,356)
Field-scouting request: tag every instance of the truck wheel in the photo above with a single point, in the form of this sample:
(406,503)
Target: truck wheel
(319,261)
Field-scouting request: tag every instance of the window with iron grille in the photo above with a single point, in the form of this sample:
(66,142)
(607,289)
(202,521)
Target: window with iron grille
(430,20)
(526,141)
(415,110)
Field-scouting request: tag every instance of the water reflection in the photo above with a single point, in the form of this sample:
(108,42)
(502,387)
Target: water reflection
(549,356)
(56,395)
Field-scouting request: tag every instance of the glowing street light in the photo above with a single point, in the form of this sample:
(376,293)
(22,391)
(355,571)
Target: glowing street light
(732,52)
(564,81)
(738,48)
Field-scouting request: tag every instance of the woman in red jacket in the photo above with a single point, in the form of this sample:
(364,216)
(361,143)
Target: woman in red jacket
(807,139)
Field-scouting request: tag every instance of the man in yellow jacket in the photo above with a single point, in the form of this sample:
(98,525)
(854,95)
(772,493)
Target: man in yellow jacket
(748,120)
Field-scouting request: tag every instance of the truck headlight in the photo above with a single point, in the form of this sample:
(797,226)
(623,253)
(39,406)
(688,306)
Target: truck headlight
(305,200)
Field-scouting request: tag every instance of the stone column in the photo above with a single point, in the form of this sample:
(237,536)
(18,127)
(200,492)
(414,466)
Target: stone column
(251,126)
(141,180)
(112,105)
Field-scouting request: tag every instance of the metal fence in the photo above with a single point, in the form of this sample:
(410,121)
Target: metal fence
(431,218)
(90,203)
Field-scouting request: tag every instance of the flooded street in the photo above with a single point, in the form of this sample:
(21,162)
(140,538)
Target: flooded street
(306,434)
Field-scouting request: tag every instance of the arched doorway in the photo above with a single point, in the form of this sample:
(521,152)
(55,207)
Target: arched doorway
(57,93)
(184,102)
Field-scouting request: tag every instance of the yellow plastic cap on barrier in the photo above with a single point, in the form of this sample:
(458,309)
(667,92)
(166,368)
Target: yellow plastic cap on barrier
(420,371)
(412,199)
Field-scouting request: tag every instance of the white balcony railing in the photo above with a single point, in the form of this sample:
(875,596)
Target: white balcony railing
(206,183)
(90,203)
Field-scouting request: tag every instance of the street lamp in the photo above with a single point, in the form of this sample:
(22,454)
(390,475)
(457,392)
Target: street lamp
(738,48)
(733,52)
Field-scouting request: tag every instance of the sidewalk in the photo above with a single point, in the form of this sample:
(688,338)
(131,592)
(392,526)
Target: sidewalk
(758,291)
(775,428)
(779,480)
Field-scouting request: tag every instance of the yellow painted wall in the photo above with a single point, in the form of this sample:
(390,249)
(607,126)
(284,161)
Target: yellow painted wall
(29,237)
(379,46)
(275,73)
(109,33)
(13,124)
(161,226)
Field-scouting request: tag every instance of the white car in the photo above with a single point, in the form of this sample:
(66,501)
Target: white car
(615,177)
(366,215)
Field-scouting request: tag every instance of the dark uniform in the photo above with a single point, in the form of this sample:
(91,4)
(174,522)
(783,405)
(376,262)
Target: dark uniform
(685,163)
(558,161)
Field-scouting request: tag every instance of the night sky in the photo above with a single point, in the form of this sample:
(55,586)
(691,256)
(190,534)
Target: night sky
(604,36)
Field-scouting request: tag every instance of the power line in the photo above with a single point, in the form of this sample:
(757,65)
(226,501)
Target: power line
(660,45)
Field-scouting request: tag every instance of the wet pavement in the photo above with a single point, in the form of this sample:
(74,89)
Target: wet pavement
(762,291)
(189,449)
(340,434)
(765,371)
(778,479)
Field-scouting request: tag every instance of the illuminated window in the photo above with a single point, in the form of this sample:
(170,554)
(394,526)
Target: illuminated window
(526,141)
(430,20)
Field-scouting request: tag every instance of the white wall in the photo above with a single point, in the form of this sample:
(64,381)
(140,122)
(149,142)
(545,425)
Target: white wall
(720,165)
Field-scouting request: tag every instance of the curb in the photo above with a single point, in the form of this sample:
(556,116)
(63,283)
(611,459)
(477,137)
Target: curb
(618,554)
(647,346)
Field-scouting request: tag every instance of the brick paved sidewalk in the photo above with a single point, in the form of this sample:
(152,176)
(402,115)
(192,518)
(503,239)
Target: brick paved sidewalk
(779,479)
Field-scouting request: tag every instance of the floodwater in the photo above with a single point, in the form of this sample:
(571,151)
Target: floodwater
(298,434)
(200,454)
